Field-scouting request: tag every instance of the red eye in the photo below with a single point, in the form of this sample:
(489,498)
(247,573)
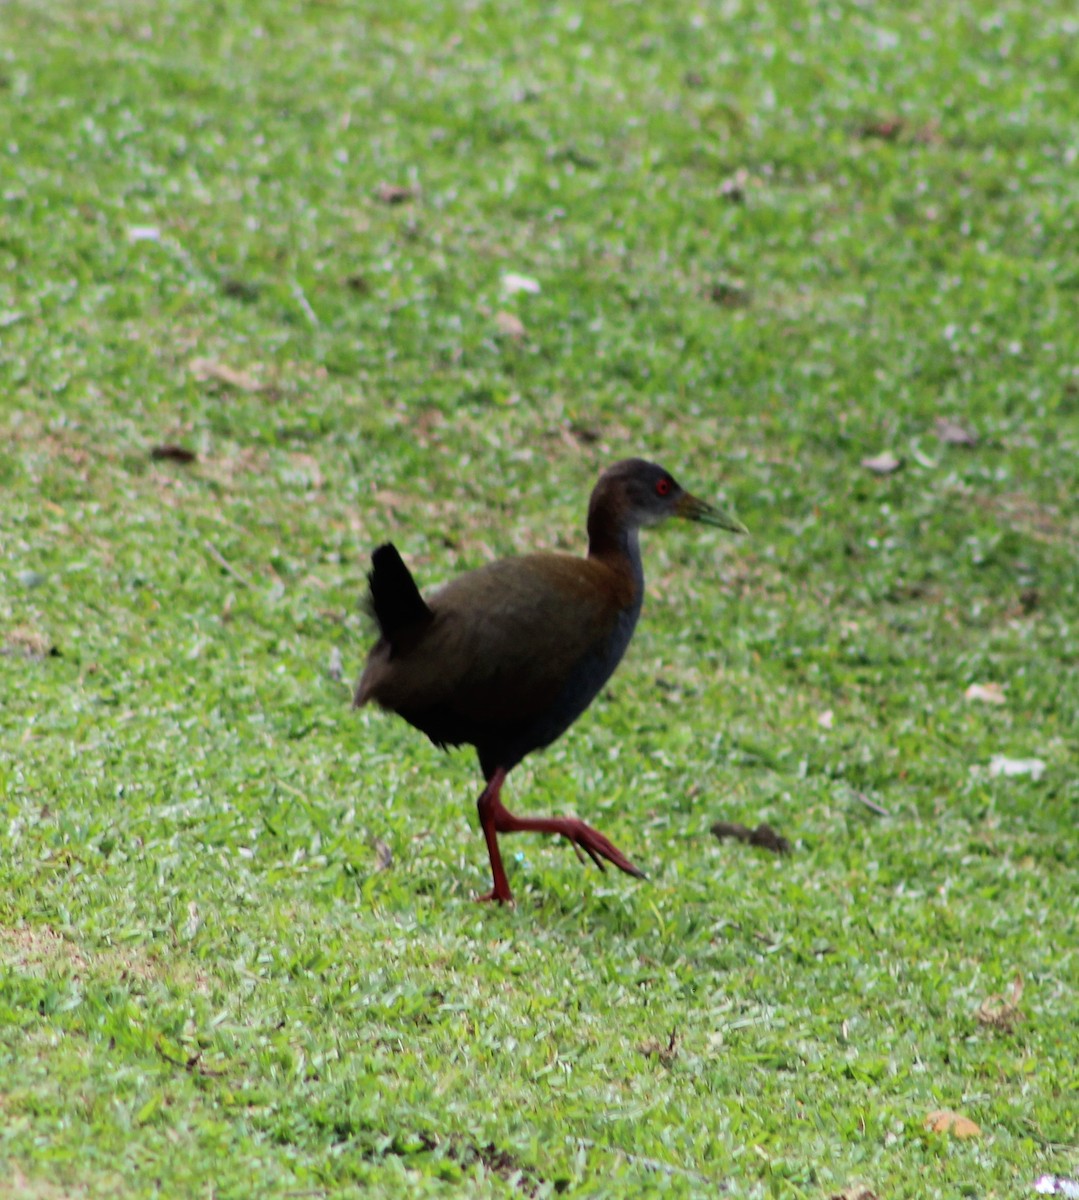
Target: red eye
(663,487)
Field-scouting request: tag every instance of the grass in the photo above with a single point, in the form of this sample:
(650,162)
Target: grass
(771,240)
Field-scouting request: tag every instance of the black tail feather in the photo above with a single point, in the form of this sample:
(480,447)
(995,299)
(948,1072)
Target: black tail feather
(395,599)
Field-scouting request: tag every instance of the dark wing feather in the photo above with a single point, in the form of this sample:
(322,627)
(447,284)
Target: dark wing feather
(395,599)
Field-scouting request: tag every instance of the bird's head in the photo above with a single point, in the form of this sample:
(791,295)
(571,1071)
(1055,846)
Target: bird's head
(643,493)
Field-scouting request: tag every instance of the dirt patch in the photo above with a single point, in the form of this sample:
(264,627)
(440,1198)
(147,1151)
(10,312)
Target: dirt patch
(40,950)
(1026,516)
(15,1183)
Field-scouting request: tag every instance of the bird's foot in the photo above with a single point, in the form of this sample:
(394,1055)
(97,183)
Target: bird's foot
(596,846)
(503,897)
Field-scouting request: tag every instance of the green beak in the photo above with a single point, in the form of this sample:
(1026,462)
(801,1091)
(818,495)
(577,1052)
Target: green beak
(692,509)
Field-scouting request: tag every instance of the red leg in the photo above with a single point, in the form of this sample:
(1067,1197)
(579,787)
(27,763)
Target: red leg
(496,818)
(486,804)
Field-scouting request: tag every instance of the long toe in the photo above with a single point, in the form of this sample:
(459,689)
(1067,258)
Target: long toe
(598,847)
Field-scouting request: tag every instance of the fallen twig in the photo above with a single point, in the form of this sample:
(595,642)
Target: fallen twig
(225,565)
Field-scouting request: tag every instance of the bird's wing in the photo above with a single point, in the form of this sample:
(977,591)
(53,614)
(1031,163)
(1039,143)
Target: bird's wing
(506,638)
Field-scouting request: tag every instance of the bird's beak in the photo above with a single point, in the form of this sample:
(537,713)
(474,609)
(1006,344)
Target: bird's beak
(692,509)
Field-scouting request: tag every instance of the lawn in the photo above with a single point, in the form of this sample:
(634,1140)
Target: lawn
(280,281)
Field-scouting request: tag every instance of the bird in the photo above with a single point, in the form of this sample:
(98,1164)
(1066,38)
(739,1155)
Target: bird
(506,657)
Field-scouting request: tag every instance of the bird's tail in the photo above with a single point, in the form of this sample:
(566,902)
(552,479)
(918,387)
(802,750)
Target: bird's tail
(393,598)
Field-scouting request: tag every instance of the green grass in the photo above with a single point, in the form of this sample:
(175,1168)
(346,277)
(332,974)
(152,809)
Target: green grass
(208,987)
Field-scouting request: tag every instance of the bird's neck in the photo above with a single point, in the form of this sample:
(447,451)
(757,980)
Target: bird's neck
(618,546)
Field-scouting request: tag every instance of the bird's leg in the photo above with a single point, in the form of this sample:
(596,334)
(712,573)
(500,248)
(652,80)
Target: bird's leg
(496,818)
(488,805)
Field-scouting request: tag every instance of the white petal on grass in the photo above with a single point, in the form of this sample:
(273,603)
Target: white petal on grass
(513,283)
(143,233)
(986,693)
(885,463)
(1000,764)
(1056,1185)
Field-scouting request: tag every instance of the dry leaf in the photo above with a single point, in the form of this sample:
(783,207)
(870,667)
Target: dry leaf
(509,325)
(733,189)
(987,693)
(585,434)
(240,289)
(394,193)
(884,463)
(953,434)
(512,282)
(872,805)
(383,855)
(173,453)
(208,368)
(666,1052)
(729,294)
(764,836)
(1002,1012)
(887,129)
(946,1121)
(855,1193)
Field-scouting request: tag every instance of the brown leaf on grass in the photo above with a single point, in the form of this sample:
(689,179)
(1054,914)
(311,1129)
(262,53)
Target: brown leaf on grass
(509,326)
(210,369)
(1002,1012)
(884,463)
(729,294)
(240,289)
(928,134)
(943,1120)
(383,855)
(171,452)
(887,129)
(733,188)
(395,193)
(858,1192)
(587,435)
(763,836)
(954,434)
(666,1051)
(392,502)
